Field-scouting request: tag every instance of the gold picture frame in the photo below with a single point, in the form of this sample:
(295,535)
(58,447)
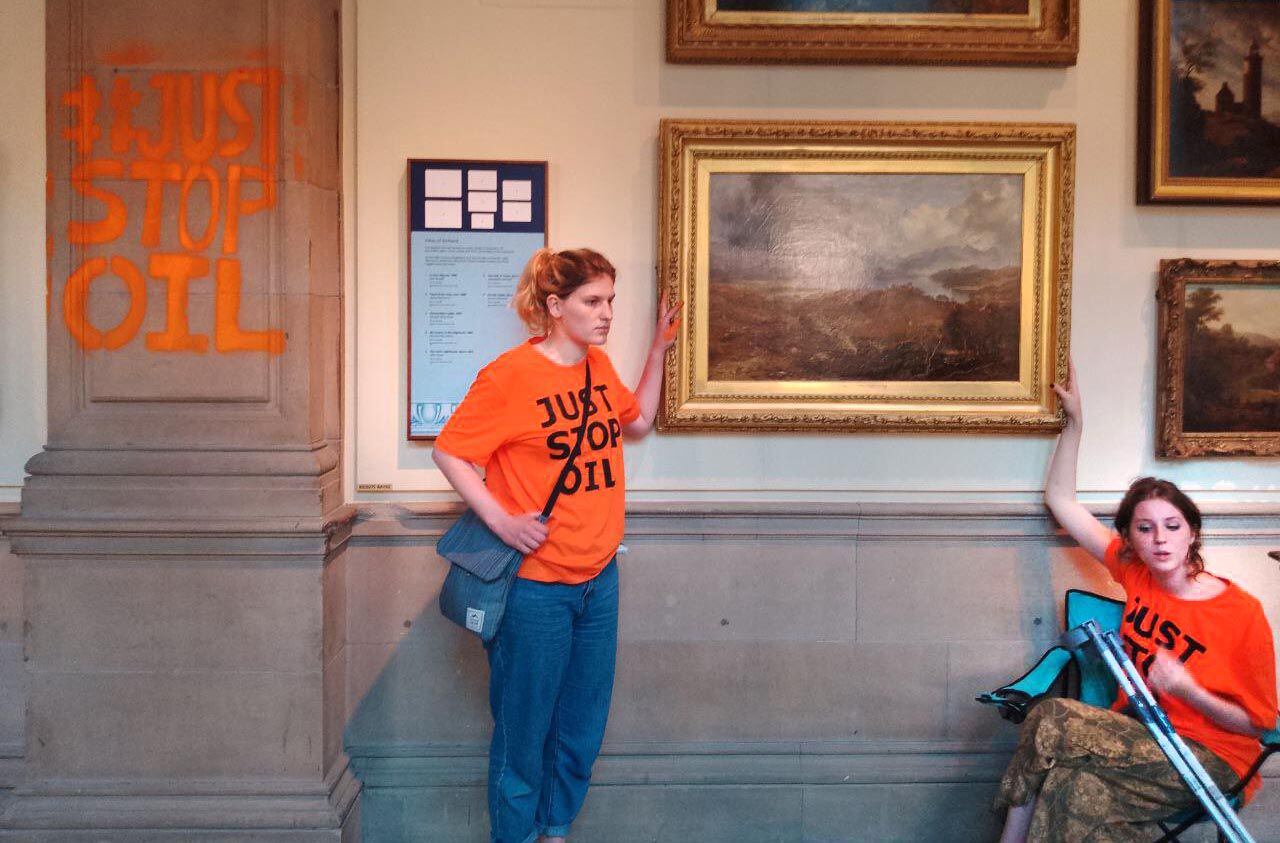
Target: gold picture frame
(797,247)
(1207,126)
(1218,379)
(980,32)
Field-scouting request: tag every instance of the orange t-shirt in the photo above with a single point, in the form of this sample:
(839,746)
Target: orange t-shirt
(520,421)
(1225,642)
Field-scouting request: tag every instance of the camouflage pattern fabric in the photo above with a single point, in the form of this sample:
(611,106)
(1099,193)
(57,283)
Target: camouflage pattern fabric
(1100,776)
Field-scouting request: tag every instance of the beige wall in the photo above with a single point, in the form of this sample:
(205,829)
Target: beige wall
(784,672)
(22,274)
(584,84)
(436,79)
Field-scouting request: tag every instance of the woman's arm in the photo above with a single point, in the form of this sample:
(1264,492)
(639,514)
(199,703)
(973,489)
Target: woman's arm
(650,386)
(1060,485)
(1170,676)
(523,532)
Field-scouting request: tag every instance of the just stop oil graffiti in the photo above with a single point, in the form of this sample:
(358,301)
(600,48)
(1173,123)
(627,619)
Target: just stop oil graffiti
(207,147)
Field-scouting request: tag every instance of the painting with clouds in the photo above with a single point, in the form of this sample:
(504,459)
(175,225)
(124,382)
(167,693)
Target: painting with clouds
(1224,96)
(864,277)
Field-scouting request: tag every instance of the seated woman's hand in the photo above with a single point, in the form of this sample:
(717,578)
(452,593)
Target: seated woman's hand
(1170,677)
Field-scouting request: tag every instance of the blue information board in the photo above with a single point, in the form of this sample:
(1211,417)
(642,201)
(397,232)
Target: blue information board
(472,227)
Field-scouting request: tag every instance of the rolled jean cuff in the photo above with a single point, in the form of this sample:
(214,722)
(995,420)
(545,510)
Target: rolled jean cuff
(555,831)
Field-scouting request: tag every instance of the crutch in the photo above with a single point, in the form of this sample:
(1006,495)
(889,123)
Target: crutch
(1148,711)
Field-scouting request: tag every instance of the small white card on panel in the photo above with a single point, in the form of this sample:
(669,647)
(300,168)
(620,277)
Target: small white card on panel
(482,180)
(482,221)
(482,201)
(443,184)
(517,190)
(442,213)
(517,212)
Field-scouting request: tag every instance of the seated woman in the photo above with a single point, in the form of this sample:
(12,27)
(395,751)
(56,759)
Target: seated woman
(1202,643)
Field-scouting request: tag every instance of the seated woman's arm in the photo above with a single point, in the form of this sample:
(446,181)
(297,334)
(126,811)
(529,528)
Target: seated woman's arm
(1170,676)
(1060,485)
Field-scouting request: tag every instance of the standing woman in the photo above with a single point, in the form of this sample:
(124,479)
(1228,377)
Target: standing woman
(551,663)
(1201,642)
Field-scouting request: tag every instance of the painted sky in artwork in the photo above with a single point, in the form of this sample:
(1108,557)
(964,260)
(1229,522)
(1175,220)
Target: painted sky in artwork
(1232,25)
(846,231)
(900,7)
(1249,310)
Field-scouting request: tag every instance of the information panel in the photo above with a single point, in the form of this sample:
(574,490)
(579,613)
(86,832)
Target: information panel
(472,227)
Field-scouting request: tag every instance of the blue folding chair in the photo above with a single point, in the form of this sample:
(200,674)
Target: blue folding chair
(1083,675)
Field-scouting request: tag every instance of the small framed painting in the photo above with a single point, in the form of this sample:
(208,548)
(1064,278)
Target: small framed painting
(1218,383)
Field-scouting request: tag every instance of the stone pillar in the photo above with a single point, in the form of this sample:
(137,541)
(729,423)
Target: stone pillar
(183,530)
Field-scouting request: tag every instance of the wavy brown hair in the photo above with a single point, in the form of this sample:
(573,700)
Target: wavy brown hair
(1147,488)
(552,273)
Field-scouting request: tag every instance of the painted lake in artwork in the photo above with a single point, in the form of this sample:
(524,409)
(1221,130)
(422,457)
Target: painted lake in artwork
(864,277)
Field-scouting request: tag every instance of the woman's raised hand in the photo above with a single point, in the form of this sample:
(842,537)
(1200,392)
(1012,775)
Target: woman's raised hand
(1069,396)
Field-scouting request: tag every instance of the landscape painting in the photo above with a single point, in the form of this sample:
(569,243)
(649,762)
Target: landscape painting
(865,277)
(887,7)
(1214,122)
(1219,384)
(962,32)
(1232,374)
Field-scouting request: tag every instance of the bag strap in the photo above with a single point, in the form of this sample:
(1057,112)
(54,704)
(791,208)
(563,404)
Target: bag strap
(577,446)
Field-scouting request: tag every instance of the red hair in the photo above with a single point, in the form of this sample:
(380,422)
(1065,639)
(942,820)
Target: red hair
(552,273)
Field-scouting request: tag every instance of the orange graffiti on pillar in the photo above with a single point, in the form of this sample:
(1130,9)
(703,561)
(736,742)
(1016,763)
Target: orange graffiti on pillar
(177,270)
(205,172)
(227,333)
(155,174)
(198,151)
(237,113)
(113,224)
(84,131)
(148,146)
(237,208)
(123,101)
(270,80)
(76,296)
(173,150)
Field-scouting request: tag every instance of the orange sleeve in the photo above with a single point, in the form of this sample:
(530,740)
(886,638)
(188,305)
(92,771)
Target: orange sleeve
(1111,560)
(478,427)
(628,406)
(1256,675)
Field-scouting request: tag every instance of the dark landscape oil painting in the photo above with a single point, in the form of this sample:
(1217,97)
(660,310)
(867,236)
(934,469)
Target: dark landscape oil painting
(865,277)
(899,7)
(1232,370)
(1224,94)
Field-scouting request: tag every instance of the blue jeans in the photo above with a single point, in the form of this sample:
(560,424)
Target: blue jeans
(550,681)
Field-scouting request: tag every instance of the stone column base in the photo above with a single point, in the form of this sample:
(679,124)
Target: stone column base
(221,811)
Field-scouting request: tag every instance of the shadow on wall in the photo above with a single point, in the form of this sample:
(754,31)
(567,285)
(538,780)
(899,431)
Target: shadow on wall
(418,738)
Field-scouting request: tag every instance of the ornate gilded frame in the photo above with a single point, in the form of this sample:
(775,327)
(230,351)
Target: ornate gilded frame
(1044,155)
(699,31)
(1155,184)
(1172,440)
